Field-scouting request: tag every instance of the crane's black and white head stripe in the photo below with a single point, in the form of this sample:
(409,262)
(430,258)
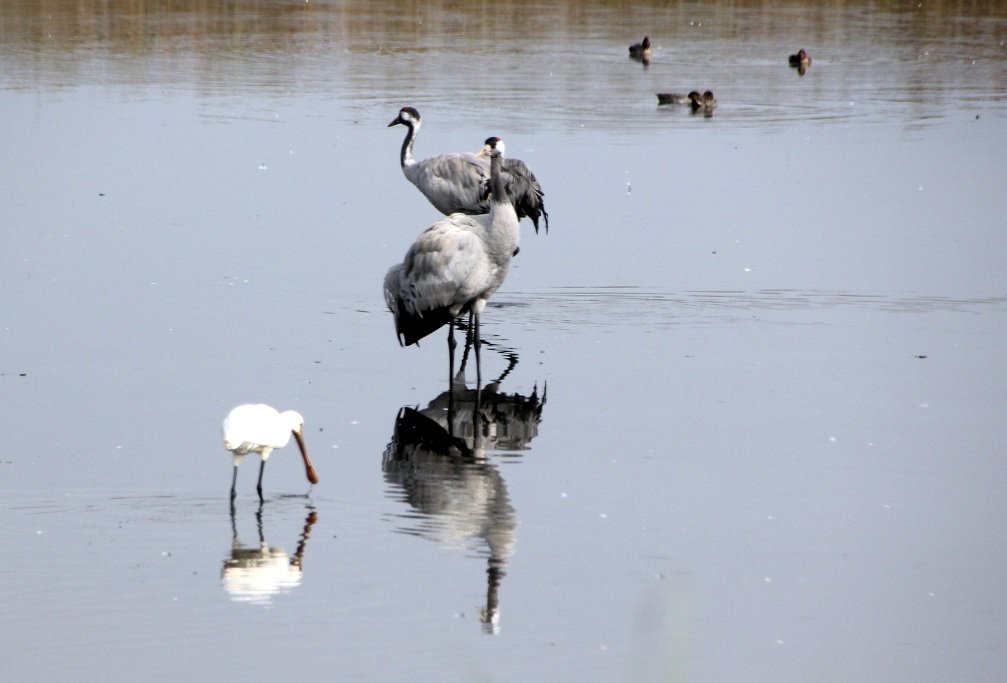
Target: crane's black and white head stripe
(493,144)
(408,116)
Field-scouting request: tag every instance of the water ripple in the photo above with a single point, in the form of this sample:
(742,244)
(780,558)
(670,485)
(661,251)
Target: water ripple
(564,308)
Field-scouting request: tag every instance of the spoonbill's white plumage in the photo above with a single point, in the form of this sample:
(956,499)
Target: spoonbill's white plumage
(454,267)
(459,182)
(258,428)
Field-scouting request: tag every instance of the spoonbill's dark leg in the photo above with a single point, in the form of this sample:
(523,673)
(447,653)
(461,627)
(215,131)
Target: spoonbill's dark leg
(234,483)
(258,486)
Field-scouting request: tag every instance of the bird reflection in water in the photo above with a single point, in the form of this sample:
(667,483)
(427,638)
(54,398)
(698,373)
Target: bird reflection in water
(437,459)
(255,574)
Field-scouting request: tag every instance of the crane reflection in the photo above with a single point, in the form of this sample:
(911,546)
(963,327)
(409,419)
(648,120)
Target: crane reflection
(436,461)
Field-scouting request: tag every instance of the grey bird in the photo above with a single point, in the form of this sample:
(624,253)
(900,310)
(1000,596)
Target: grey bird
(454,267)
(459,182)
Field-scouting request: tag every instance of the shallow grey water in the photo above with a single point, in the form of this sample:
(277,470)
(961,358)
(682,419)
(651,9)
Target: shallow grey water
(754,427)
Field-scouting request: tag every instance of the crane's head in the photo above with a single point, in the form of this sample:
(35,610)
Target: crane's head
(408,116)
(491,146)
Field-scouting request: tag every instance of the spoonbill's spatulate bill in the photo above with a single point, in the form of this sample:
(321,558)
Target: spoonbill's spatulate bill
(258,428)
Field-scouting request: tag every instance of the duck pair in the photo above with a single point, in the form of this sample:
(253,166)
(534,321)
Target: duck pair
(705,102)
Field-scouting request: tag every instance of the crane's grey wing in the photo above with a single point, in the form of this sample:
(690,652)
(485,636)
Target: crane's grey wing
(452,182)
(410,325)
(525,192)
(444,270)
(447,266)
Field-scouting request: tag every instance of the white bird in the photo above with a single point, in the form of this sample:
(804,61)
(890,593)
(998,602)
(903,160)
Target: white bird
(454,267)
(459,182)
(258,428)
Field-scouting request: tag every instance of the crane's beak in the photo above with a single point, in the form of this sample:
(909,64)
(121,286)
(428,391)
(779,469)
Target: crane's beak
(395,122)
(309,469)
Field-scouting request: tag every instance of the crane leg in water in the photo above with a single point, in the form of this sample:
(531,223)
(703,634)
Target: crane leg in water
(451,351)
(476,343)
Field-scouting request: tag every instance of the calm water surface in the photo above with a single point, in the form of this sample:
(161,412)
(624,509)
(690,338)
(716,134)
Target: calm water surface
(746,412)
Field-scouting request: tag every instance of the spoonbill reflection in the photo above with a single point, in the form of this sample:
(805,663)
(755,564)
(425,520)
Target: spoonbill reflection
(256,573)
(454,267)
(258,428)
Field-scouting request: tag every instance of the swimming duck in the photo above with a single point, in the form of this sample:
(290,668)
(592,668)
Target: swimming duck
(641,50)
(678,98)
(800,59)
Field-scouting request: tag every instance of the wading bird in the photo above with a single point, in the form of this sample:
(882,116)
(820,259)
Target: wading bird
(459,182)
(258,428)
(454,267)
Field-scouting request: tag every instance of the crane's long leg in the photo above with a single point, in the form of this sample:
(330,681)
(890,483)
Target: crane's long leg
(451,350)
(465,350)
(477,426)
(258,487)
(476,343)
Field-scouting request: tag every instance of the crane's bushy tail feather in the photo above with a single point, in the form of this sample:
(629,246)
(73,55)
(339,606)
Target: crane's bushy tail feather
(411,328)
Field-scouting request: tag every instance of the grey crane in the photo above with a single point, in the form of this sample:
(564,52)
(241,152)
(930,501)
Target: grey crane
(453,267)
(459,182)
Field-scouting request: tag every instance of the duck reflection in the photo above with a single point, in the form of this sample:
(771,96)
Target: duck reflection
(256,573)
(437,458)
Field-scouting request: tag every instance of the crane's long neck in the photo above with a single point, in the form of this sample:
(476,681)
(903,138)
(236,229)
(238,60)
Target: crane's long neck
(503,221)
(406,158)
(498,193)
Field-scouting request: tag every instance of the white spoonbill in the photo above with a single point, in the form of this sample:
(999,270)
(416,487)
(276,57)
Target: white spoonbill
(454,267)
(459,182)
(258,428)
